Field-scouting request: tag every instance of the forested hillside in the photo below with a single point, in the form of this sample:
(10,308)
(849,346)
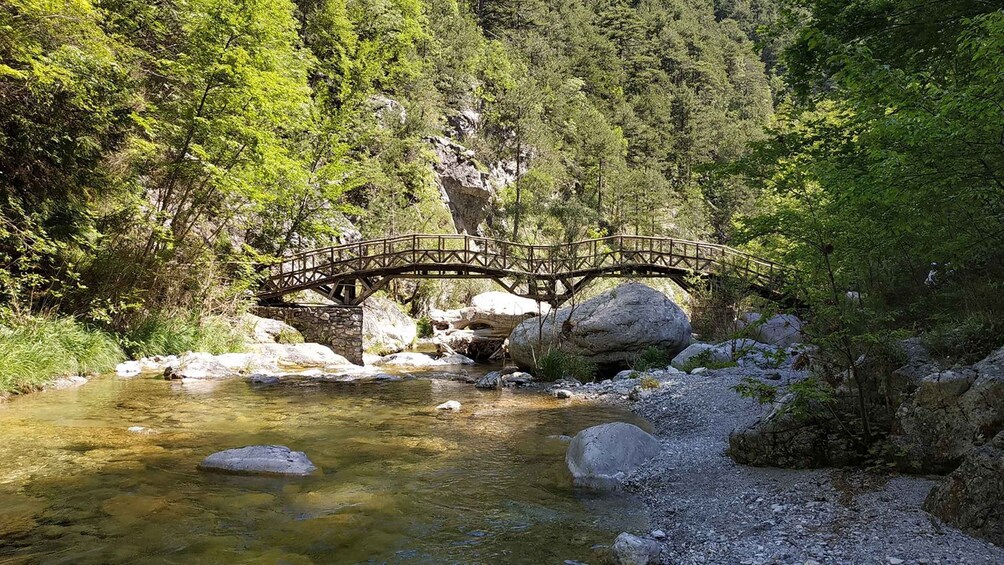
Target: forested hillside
(153,156)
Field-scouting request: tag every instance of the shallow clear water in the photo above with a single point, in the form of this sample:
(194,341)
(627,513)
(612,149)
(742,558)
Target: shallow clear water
(401,482)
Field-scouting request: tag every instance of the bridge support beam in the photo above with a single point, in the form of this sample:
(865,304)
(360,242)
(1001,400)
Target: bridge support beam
(338,327)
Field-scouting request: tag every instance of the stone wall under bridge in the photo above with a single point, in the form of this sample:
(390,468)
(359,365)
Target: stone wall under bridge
(339,327)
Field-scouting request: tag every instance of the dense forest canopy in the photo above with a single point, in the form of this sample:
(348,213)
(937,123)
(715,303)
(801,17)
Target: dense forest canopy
(152,156)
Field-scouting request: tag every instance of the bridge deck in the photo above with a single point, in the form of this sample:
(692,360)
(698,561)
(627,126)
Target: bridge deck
(553,273)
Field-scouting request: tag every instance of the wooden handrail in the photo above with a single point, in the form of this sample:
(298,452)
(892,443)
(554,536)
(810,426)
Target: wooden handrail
(493,258)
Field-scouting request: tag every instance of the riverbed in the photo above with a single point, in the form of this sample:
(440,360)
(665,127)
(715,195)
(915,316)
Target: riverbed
(401,482)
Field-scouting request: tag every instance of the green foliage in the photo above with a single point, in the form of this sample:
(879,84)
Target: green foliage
(651,358)
(757,390)
(289,337)
(885,161)
(424,325)
(34,350)
(556,364)
(172,335)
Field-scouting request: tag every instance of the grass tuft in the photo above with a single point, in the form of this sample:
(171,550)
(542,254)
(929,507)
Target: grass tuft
(35,350)
(172,335)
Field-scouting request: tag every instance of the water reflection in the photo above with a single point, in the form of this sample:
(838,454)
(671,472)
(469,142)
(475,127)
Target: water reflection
(401,483)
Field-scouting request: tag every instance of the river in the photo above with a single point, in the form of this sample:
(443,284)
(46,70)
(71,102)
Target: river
(401,483)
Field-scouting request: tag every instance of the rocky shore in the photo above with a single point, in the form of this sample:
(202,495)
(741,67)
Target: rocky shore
(714,510)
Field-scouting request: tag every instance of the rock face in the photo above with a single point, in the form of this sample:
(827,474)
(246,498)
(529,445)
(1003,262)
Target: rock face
(602,456)
(270,358)
(467,187)
(386,329)
(791,438)
(783,330)
(267,330)
(633,550)
(610,330)
(972,497)
(268,460)
(951,412)
(480,330)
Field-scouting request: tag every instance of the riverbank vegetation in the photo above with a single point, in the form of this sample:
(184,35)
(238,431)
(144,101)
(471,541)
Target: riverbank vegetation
(34,349)
(154,157)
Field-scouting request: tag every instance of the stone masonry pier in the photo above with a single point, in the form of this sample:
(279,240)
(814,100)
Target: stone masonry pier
(339,327)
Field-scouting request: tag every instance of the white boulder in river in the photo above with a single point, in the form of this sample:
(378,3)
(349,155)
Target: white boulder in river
(610,330)
(274,460)
(602,456)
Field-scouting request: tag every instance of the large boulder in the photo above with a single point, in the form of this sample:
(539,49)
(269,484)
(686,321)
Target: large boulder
(782,330)
(267,460)
(695,353)
(267,330)
(949,413)
(610,330)
(480,330)
(793,435)
(603,456)
(972,497)
(386,329)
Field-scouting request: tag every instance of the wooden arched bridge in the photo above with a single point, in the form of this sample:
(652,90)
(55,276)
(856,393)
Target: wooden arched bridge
(348,274)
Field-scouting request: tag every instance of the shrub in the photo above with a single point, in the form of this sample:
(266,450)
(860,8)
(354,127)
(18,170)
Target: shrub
(171,335)
(965,340)
(652,358)
(289,336)
(557,364)
(34,350)
(649,382)
(424,325)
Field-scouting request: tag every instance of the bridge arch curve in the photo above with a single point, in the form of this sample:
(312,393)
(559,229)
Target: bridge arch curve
(348,274)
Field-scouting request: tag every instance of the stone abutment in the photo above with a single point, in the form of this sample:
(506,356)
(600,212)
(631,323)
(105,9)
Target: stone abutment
(339,327)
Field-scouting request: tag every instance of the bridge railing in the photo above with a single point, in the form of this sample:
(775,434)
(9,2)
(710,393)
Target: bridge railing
(618,251)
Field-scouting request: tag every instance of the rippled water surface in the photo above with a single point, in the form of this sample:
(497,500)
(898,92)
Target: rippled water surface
(401,483)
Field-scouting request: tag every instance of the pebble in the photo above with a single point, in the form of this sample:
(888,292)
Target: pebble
(723,513)
(451,405)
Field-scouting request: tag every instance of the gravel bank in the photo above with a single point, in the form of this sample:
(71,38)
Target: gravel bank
(715,511)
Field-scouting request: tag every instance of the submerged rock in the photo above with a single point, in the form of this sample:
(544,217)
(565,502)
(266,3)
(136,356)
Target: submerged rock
(633,550)
(602,456)
(267,460)
(451,405)
(490,380)
(611,330)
